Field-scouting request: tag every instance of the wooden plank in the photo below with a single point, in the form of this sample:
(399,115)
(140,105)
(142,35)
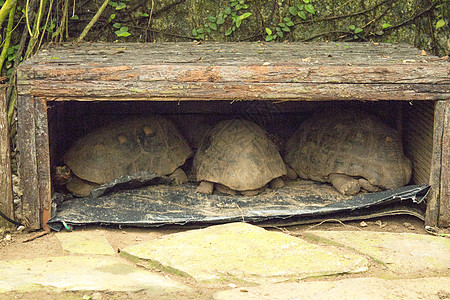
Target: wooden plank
(444,203)
(26,140)
(206,91)
(432,213)
(6,196)
(43,161)
(236,71)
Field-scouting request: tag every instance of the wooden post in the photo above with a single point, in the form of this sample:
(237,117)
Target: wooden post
(43,161)
(28,170)
(6,196)
(444,203)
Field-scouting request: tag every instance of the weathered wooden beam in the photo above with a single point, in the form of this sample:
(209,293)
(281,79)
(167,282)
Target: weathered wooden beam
(28,169)
(444,203)
(207,91)
(6,196)
(43,161)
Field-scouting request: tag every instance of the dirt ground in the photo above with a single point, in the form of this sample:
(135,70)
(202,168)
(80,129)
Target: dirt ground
(12,247)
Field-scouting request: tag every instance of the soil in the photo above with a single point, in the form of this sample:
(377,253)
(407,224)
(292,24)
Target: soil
(12,247)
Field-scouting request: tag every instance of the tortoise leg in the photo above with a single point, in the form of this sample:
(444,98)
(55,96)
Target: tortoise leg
(178,176)
(276,183)
(365,184)
(346,185)
(80,187)
(205,187)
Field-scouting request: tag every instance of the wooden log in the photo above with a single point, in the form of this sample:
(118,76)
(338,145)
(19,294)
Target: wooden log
(26,140)
(444,203)
(234,71)
(6,196)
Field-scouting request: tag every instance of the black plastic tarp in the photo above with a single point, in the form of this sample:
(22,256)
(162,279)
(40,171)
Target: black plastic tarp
(298,202)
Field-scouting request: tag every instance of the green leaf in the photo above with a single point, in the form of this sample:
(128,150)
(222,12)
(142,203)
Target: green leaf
(440,23)
(278,29)
(212,19)
(302,15)
(290,23)
(145,15)
(121,6)
(269,38)
(301,6)
(358,30)
(201,36)
(379,32)
(111,17)
(200,31)
(280,34)
(386,25)
(228,10)
(282,25)
(74,17)
(286,19)
(113,4)
(208,30)
(245,16)
(293,10)
(238,23)
(220,21)
(234,3)
(213,26)
(268,31)
(310,8)
(286,29)
(355,37)
(238,7)
(245,6)
(352,27)
(116,25)
(228,32)
(194,32)
(306,1)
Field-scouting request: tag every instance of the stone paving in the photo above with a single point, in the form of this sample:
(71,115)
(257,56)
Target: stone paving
(243,261)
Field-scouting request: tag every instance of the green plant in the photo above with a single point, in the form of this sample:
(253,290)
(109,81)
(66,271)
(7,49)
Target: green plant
(122,30)
(298,11)
(355,31)
(230,13)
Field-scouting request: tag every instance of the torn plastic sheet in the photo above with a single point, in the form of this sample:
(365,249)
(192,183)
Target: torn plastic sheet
(298,202)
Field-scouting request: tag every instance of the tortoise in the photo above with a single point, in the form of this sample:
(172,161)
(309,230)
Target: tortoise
(125,147)
(351,150)
(236,156)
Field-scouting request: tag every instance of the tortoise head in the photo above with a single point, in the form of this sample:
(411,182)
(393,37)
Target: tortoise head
(62,175)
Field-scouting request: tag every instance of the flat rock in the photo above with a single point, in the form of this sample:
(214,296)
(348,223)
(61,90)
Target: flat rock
(241,252)
(85,242)
(357,288)
(72,273)
(402,253)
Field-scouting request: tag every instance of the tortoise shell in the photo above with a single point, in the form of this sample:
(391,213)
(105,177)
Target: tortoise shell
(349,142)
(126,147)
(238,154)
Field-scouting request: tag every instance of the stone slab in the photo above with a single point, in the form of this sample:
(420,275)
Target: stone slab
(437,288)
(245,253)
(85,242)
(403,253)
(75,273)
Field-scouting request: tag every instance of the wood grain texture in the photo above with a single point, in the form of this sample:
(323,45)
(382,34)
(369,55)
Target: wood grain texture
(26,140)
(234,71)
(444,203)
(6,196)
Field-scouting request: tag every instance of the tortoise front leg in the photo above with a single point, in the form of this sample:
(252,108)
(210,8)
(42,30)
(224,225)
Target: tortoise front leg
(205,187)
(346,185)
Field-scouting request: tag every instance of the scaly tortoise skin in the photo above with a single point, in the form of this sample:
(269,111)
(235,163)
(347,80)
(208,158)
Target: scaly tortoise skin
(238,156)
(126,147)
(351,149)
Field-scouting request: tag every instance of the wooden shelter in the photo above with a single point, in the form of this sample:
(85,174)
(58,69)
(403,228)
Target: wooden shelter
(64,88)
